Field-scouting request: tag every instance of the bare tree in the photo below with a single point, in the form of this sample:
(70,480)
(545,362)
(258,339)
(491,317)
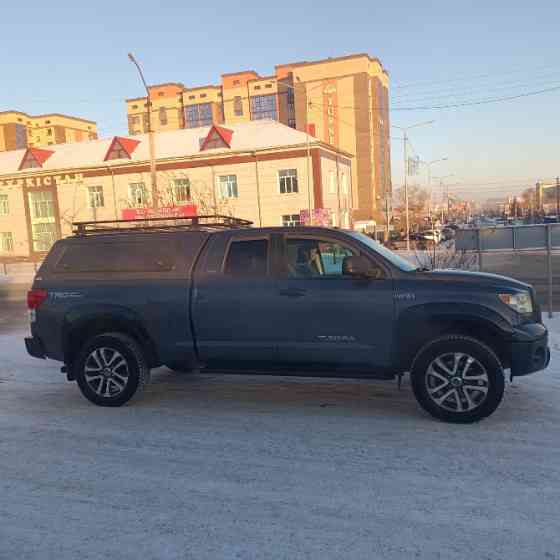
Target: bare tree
(446,257)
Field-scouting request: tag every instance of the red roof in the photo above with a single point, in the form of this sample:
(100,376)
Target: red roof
(127,144)
(39,155)
(224,133)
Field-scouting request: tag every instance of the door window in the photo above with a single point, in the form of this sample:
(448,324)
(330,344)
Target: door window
(247,258)
(308,258)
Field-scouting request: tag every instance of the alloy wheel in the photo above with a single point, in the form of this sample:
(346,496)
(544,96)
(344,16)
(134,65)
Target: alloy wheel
(106,372)
(457,382)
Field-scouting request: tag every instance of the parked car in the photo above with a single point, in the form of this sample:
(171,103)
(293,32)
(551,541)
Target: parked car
(216,294)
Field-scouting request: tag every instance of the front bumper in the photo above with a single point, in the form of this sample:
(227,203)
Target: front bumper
(529,350)
(35,347)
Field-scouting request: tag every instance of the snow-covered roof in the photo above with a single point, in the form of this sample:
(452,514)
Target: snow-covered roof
(249,136)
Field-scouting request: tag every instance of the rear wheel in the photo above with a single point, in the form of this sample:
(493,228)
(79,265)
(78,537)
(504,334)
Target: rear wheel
(458,379)
(111,369)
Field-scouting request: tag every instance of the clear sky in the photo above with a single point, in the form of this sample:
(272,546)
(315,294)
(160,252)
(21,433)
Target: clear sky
(71,57)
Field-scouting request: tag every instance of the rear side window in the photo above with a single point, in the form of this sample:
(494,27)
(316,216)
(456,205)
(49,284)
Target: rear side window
(147,256)
(247,258)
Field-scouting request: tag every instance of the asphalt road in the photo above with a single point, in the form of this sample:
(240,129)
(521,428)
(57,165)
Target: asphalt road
(209,466)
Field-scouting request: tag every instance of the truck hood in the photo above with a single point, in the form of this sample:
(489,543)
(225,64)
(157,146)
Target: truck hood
(464,276)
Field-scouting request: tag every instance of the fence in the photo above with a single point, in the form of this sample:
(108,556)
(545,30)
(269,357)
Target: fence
(528,243)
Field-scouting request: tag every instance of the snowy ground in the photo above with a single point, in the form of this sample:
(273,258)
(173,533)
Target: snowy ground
(246,467)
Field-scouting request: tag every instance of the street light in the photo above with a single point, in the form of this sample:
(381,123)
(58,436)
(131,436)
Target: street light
(405,129)
(151,139)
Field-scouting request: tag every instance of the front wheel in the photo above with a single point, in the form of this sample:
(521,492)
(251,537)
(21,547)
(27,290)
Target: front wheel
(458,379)
(111,369)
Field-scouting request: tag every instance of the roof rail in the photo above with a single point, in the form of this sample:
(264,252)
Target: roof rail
(212,221)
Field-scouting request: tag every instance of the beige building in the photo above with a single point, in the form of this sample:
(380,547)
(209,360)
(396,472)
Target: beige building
(341,101)
(19,130)
(262,171)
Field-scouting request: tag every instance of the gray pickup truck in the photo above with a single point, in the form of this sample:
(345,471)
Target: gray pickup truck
(117,299)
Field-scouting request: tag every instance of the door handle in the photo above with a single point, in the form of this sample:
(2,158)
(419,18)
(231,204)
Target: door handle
(292,292)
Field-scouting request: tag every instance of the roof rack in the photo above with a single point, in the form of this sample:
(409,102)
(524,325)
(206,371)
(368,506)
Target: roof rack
(212,221)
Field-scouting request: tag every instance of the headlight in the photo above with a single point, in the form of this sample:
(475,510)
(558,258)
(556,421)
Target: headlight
(521,302)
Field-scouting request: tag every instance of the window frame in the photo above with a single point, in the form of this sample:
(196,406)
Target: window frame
(256,237)
(291,177)
(4,237)
(220,185)
(144,191)
(326,239)
(4,204)
(94,191)
(291,216)
(186,183)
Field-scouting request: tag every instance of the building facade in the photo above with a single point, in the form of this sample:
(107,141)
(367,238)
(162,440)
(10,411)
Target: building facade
(261,171)
(342,101)
(19,130)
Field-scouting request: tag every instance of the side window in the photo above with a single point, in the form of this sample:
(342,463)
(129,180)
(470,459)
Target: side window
(247,258)
(308,258)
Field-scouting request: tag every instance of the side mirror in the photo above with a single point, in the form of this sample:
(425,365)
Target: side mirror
(356,266)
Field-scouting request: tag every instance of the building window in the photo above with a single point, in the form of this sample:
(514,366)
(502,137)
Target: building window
(137,194)
(228,186)
(163,115)
(263,107)
(192,96)
(332,182)
(237,106)
(135,106)
(4,205)
(292,123)
(42,204)
(198,115)
(44,236)
(161,93)
(257,87)
(287,179)
(291,220)
(202,95)
(180,190)
(95,197)
(47,122)
(268,86)
(343,183)
(6,242)
(236,82)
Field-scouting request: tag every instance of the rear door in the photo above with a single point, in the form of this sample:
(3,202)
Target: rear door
(328,319)
(235,300)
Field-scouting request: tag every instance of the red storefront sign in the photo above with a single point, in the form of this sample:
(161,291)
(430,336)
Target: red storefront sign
(185,211)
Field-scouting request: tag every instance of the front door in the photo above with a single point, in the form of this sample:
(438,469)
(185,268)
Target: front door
(328,319)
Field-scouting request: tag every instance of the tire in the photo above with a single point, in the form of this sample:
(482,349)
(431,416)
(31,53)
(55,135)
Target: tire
(110,369)
(458,379)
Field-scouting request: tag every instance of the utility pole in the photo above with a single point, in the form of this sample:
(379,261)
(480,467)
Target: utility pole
(405,141)
(557,199)
(151,139)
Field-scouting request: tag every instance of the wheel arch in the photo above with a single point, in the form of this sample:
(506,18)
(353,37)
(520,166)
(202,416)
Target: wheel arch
(421,324)
(89,323)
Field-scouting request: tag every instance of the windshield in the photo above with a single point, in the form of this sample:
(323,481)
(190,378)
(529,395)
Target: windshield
(393,258)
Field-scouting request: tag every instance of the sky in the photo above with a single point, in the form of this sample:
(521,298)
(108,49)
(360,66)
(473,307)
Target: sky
(71,57)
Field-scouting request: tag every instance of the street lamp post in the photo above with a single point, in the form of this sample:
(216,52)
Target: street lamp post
(441,179)
(151,139)
(405,130)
